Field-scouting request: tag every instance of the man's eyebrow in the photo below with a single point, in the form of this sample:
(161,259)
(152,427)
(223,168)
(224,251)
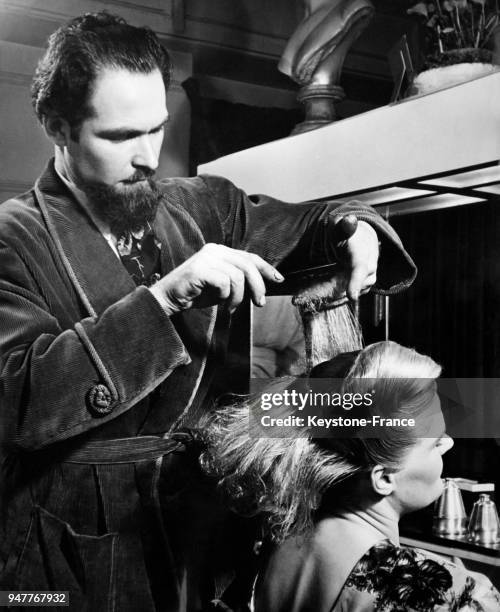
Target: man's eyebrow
(129,133)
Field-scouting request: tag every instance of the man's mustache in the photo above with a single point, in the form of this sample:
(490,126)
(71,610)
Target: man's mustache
(140,175)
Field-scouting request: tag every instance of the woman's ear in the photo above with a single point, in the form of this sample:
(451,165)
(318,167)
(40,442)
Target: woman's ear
(57,130)
(382,479)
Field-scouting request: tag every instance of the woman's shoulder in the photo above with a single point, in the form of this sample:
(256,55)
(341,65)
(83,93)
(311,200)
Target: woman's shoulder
(400,579)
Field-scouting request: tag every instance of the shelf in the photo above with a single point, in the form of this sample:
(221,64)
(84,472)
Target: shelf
(427,152)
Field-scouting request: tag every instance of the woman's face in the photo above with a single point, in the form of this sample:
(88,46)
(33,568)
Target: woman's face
(418,482)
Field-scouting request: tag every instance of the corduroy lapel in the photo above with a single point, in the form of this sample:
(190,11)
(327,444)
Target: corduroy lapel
(96,272)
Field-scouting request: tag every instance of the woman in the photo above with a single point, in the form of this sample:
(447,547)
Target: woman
(333,504)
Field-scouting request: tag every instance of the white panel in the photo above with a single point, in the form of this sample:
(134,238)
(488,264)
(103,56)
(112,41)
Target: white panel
(495,189)
(438,202)
(467,179)
(439,132)
(390,194)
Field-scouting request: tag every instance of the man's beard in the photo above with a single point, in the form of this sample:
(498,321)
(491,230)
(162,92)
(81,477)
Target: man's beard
(128,209)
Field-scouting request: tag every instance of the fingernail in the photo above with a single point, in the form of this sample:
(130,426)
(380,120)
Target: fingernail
(279,277)
(262,300)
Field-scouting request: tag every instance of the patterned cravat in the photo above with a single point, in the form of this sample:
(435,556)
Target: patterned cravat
(140,254)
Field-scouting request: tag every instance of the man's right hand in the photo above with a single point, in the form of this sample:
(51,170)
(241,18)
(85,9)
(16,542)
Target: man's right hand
(216,274)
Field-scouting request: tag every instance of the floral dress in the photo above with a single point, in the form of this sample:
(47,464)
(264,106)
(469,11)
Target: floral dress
(393,579)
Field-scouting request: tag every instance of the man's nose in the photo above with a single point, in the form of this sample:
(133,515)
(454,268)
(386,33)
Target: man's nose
(146,153)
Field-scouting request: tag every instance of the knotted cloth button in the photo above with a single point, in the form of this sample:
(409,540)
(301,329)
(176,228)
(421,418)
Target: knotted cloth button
(99,400)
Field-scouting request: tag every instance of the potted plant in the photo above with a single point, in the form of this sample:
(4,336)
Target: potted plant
(459,38)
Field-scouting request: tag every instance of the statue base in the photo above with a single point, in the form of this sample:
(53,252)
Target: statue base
(319,101)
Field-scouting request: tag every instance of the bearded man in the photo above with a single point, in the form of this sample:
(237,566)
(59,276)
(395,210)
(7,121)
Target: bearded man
(116,298)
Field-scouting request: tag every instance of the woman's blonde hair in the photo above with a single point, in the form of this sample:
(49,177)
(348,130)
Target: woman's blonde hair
(285,479)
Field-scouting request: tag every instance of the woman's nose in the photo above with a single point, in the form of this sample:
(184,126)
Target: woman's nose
(446,443)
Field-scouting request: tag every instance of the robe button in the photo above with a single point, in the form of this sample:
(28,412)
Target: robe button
(99,400)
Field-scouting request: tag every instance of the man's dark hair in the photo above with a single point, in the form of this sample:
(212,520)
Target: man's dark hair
(78,50)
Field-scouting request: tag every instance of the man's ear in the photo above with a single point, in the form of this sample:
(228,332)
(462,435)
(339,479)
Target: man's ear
(57,129)
(383,480)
